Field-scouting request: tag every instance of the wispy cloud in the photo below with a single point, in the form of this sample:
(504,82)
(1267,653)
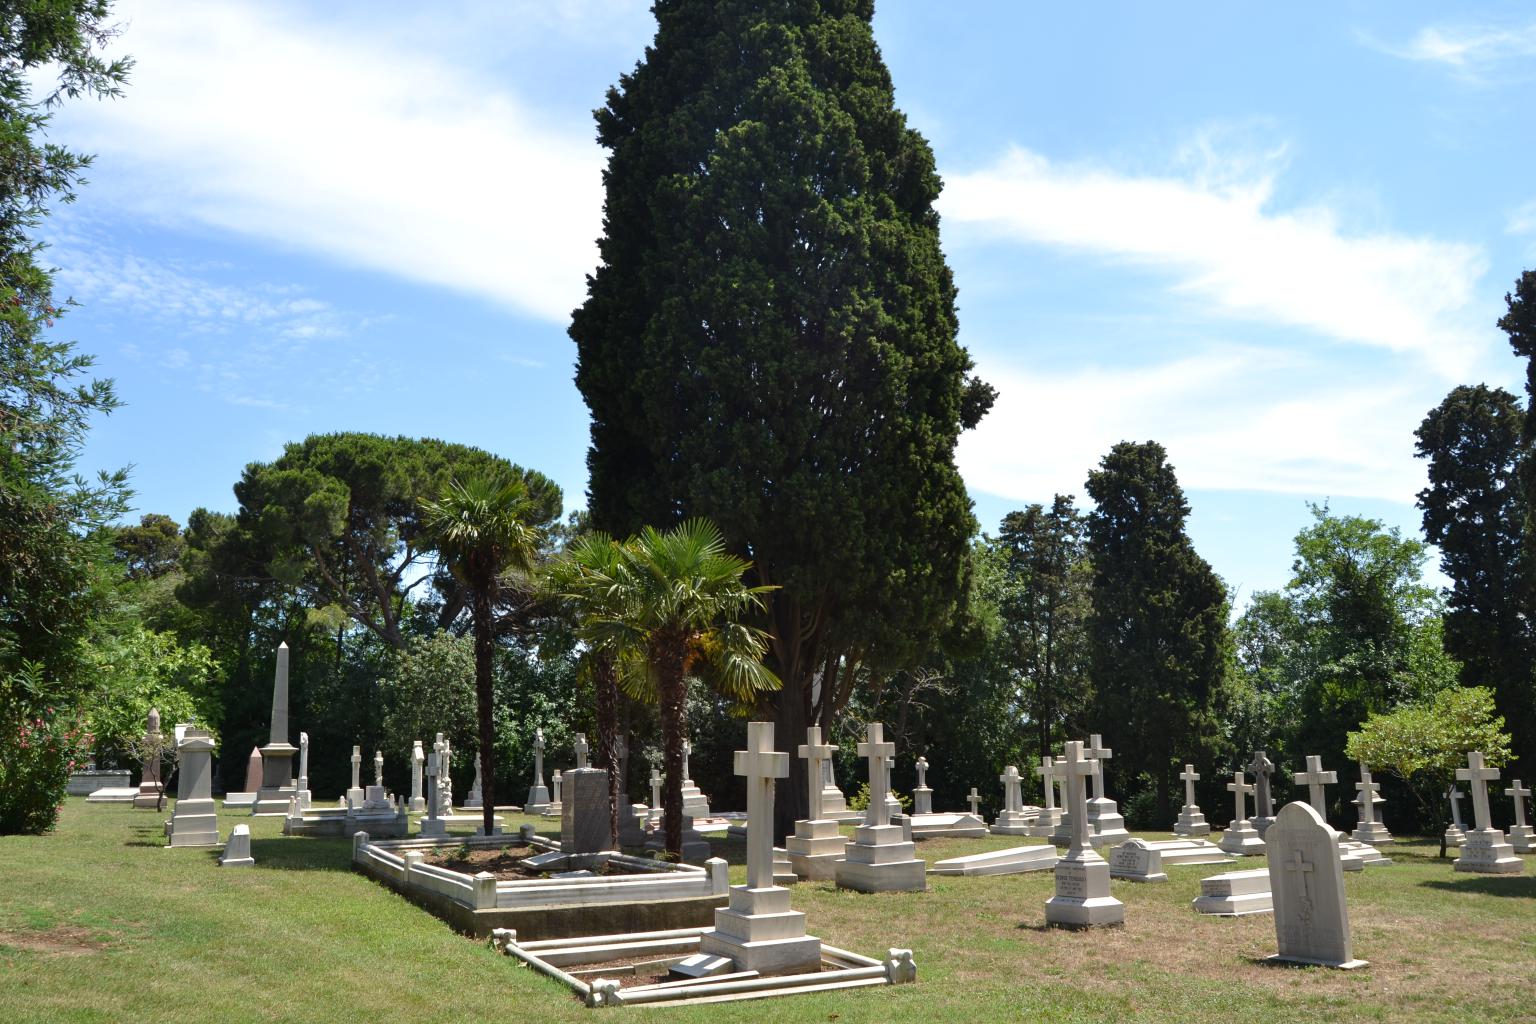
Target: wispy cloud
(1471,51)
(1228,248)
(280,125)
(1522,221)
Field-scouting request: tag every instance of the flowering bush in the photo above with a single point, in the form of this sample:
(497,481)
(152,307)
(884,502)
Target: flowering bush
(39,752)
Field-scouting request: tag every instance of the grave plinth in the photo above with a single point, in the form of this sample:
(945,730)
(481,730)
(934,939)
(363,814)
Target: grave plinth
(195,821)
(1082,898)
(1485,850)
(277,779)
(1191,820)
(1235,894)
(881,858)
(817,846)
(585,821)
(1370,830)
(1240,838)
(237,853)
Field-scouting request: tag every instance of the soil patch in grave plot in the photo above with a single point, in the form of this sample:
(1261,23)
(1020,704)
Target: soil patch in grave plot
(507,865)
(64,940)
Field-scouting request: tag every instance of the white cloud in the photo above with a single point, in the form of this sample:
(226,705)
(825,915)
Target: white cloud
(1523,220)
(320,136)
(1218,234)
(1470,50)
(1231,419)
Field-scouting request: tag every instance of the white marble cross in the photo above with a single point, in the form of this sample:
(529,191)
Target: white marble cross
(975,801)
(378,768)
(876,750)
(1367,798)
(1012,801)
(1239,789)
(1048,775)
(1455,794)
(1074,770)
(1190,777)
(1314,778)
(581,750)
(1519,794)
(656,789)
(434,791)
(538,757)
(357,767)
(687,753)
(558,779)
(922,773)
(1479,777)
(1098,753)
(815,754)
(761,765)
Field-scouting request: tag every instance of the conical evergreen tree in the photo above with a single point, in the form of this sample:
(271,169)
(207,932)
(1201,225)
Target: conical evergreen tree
(1157,636)
(770,339)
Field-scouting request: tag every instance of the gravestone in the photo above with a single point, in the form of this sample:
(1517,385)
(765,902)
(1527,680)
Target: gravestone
(922,796)
(974,799)
(1235,894)
(1191,821)
(1011,820)
(1520,833)
(434,825)
(817,845)
(1082,898)
(582,750)
(585,820)
(1370,830)
(237,852)
(1315,779)
(538,793)
(474,800)
(376,799)
(695,803)
(880,858)
(150,784)
(1306,878)
(445,773)
(1049,817)
(277,782)
(1485,850)
(195,821)
(303,784)
(418,761)
(253,770)
(631,833)
(1106,827)
(1014,861)
(355,791)
(1137,860)
(1454,834)
(654,818)
(1240,839)
(1262,768)
(245,799)
(834,806)
(758,931)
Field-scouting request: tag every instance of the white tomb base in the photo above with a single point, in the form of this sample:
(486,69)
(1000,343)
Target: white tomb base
(1486,852)
(759,932)
(816,848)
(1082,898)
(880,860)
(956,826)
(1014,861)
(1241,839)
(1235,894)
(1191,822)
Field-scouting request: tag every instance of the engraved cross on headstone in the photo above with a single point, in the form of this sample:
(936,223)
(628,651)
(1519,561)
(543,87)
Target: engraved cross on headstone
(1239,789)
(761,765)
(875,749)
(1190,777)
(815,753)
(1479,776)
(1299,866)
(1519,794)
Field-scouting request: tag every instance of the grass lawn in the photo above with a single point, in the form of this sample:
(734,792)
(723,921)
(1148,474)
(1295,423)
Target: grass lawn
(100,922)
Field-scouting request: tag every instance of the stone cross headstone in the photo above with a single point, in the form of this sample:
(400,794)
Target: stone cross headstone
(1521,836)
(922,771)
(418,759)
(1098,753)
(378,768)
(1190,777)
(1261,767)
(1306,878)
(1191,820)
(1367,799)
(1082,898)
(1519,794)
(1455,794)
(1012,799)
(760,764)
(875,749)
(1314,778)
(357,767)
(1484,850)
(303,769)
(687,753)
(815,754)
(433,824)
(974,799)
(1239,789)
(559,778)
(582,750)
(1478,776)
(1047,773)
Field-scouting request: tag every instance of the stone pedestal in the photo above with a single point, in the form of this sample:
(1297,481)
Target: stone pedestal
(1372,833)
(922,800)
(1012,823)
(195,821)
(584,817)
(631,834)
(1191,822)
(759,932)
(1235,894)
(1082,898)
(880,860)
(1485,851)
(695,803)
(816,848)
(1454,836)
(1241,839)
(1522,839)
(237,854)
(1106,826)
(1047,823)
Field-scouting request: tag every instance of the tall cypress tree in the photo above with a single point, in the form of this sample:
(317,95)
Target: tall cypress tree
(1474,511)
(1157,635)
(770,338)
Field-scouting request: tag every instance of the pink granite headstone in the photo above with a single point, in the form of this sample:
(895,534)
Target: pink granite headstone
(253,771)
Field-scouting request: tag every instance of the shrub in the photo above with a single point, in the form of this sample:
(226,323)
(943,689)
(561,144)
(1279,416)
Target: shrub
(42,749)
(860,800)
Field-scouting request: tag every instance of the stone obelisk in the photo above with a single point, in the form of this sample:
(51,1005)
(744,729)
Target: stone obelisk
(277,784)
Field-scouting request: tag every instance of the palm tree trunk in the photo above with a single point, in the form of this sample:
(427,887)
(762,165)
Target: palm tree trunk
(668,660)
(605,682)
(485,702)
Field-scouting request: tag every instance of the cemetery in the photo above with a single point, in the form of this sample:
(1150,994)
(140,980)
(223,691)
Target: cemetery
(726,511)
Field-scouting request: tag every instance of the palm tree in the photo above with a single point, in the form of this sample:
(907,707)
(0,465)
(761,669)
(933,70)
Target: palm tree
(591,574)
(676,597)
(481,529)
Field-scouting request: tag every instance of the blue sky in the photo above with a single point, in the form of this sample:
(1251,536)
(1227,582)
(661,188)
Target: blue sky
(1269,239)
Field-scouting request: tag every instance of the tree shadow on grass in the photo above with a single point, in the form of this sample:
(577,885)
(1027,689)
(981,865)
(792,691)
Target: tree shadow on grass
(302,853)
(1518,886)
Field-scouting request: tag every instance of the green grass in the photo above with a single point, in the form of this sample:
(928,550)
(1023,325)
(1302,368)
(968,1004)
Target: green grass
(100,922)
